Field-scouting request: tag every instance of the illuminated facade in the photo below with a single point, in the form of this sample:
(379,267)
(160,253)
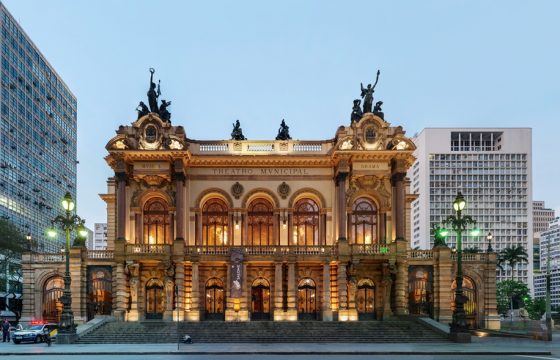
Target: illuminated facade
(261,230)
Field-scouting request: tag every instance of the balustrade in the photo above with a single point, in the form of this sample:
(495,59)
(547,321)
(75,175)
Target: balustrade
(148,249)
(100,254)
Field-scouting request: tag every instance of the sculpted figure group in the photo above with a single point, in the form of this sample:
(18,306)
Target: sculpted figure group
(367,96)
(153,95)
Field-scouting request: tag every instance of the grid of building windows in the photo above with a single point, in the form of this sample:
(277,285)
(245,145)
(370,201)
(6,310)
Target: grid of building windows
(37,136)
(542,217)
(495,187)
(492,169)
(549,256)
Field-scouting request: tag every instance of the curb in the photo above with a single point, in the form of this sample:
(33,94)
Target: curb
(412,353)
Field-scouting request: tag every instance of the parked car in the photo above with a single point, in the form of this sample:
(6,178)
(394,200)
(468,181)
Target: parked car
(34,333)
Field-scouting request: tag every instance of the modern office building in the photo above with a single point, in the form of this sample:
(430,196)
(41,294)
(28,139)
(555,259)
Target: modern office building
(550,255)
(492,168)
(99,237)
(542,218)
(37,136)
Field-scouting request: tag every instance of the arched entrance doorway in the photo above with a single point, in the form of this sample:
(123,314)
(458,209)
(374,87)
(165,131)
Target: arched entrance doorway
(420,293)
(469,291)
(215,299)
(307,299)
(365,299)
(52,307)
(155,299)
(260,300)
(100,297)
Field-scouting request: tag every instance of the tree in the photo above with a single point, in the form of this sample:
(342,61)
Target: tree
(12,245)
(535,307)
(512,255)
(506,290)
(439,237)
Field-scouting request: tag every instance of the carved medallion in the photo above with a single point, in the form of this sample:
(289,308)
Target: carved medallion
(283,190)
(237,190)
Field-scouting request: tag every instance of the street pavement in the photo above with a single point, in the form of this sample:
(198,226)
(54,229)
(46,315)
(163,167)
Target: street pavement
(490,347)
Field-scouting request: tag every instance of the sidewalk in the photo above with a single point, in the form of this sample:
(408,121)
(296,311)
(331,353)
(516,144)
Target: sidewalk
(479,346)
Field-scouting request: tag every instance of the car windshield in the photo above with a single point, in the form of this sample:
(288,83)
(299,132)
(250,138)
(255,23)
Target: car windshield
(35,327)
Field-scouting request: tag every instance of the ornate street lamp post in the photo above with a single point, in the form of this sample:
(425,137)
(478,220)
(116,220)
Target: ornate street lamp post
(68,222)
(458,328)
(489,237)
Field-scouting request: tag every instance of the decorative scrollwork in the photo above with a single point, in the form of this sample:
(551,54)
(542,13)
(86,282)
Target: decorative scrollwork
(283,190)
(237,190)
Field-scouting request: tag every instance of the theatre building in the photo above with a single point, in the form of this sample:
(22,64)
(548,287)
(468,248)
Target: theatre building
(239,230)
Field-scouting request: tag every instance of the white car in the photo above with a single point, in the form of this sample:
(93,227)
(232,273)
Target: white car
(34,333)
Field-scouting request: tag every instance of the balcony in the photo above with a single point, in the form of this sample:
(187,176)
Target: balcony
(38,258)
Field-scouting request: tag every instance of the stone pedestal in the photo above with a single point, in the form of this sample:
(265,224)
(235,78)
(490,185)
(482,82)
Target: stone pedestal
(460,337)
(65,339)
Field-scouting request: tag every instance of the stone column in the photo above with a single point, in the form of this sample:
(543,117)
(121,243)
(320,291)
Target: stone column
(401,281)
(121,292)
(278,311)
(292,292)
(138,228)
(179,312)
(133,285)
(342,288)
(382,228)
(326,308)
(398,182)
(443,277)
(180,205)
(341,205)
(194,313)
(492,320)
(121,204)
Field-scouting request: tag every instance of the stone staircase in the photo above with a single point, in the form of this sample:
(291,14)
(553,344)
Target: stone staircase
(394,330)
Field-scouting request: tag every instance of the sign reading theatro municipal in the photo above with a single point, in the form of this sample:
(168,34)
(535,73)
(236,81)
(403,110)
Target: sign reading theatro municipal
(279,230)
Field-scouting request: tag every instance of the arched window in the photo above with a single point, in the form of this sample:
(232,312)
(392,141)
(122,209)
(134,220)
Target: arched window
(215,223)
(100,297)
(469,291)
(260,223)
(363,222)
(52,307)
(156,222)
(306,223)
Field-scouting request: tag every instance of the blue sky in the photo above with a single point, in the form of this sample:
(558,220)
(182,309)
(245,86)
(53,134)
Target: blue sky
(443,64)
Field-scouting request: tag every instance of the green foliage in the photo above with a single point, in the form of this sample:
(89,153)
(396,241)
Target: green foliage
(12,241)
(511,256)
(508,289)
(472,250)
(535,307)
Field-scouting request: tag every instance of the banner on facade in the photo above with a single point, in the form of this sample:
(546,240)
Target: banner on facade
(236,273)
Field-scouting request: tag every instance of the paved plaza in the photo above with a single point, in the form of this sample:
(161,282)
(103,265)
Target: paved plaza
(482,348)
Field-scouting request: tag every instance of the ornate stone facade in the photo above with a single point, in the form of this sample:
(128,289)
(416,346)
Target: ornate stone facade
(281,230)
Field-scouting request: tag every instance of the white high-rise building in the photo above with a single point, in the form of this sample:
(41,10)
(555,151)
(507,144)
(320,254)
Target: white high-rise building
(492,167)
(99,236)
(550,246)
(542,217)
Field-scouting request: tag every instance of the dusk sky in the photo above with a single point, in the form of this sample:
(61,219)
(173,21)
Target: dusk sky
(443,64)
